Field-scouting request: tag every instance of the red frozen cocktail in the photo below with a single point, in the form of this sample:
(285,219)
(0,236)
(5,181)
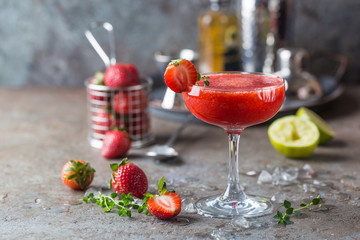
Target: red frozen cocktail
(236,100)
(233,101)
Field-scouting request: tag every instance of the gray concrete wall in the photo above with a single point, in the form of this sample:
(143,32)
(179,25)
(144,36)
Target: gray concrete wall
(42,41)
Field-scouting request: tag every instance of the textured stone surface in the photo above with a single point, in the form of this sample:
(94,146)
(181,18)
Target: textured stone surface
(42,128)
(42,42)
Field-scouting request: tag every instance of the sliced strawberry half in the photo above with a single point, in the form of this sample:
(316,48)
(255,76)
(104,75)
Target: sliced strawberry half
(166,205)
(180,75)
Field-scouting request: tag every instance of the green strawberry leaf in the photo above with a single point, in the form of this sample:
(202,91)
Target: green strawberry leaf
(114,166)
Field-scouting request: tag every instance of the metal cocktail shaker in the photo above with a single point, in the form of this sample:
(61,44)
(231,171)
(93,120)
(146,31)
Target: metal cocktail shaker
(265,26)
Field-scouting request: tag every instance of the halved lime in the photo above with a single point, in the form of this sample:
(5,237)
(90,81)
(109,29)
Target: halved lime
(326,132)
(293,136)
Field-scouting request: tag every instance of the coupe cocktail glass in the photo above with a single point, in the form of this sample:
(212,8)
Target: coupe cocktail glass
(234,101)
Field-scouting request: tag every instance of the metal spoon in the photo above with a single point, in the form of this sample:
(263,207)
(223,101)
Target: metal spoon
(166,152)
(111,37)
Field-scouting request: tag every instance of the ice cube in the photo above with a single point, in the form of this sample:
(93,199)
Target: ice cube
(187,206)
(284,175)
(264,177)
(317,182)
(308,188)
(251,173)
(279,197)
(307,172)
(240,222)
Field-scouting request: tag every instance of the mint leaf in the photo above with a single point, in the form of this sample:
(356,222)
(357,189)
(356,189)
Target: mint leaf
(289,211)
(315,201)
(287,204)
(128,213)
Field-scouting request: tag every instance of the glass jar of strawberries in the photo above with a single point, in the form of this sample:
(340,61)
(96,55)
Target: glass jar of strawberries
(119,98)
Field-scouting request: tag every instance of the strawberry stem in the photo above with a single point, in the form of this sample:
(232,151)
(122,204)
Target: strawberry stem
(176,62)
(162,186)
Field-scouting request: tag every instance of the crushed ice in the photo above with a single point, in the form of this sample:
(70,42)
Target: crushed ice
(280,176)
(188,206)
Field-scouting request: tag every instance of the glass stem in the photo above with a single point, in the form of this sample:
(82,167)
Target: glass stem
(233,192)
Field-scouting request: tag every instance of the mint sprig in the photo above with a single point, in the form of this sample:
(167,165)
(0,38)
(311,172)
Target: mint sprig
(284,218)
(206,81)
(123,203)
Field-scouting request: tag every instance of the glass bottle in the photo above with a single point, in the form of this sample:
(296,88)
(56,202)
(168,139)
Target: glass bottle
(218,38)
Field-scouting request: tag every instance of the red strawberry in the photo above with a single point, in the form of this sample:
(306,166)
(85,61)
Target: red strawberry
(133,73)
(116,143)
(137,124)
(166,205)
(128,102)
(128,178)
(98,79)
(180,74)
(104,120)
(117,76)
(77,174)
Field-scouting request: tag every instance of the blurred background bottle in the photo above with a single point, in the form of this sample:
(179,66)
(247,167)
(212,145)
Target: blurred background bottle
(265,26)
(218,31)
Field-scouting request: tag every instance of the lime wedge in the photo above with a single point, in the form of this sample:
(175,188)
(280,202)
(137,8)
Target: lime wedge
(326,132)
(293,136)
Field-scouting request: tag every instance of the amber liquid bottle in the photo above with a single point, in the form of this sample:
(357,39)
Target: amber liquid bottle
(218,38)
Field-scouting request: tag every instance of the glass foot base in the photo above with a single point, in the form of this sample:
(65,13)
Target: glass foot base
(251,207)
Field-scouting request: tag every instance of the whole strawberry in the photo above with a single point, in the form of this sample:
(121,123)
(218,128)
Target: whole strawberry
(116,143)
(128,178)
(98,80)
(77,174)
(117,76)
(104,120)
(133,73)
(128,102)
(166,205)
(137,124)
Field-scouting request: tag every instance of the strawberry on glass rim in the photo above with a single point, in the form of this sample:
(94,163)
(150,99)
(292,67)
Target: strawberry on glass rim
(180,75)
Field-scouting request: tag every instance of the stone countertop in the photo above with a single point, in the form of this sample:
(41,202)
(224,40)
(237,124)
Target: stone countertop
(42,128)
